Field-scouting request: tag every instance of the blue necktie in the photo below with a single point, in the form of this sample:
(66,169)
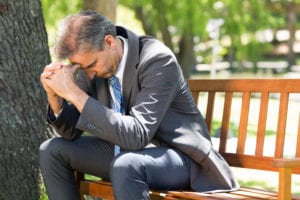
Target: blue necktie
(115,84)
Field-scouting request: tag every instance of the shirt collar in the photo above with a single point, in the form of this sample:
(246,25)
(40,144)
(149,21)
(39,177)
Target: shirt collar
(121,67)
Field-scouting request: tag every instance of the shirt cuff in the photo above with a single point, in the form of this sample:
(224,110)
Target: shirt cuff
(57,114)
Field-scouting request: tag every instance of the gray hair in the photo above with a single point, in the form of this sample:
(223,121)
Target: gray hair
(82,32)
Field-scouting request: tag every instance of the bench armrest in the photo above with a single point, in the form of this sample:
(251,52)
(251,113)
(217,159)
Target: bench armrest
(286,162)
(285,166)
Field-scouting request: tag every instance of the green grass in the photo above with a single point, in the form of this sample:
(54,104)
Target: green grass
(44,195)
(91,177)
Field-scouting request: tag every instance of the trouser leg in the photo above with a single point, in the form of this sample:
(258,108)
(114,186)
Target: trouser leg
(59,158)
(133,173)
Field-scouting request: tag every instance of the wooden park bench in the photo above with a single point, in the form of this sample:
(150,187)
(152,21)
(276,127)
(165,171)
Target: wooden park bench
(247,90)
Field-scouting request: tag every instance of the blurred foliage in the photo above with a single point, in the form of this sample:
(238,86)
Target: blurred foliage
(174,21)
(240,17)
(55,10)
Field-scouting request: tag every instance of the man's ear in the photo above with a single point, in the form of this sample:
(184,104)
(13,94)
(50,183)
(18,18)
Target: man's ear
(109,41)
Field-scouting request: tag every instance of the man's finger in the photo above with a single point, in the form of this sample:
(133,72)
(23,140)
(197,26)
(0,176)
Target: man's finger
(54,66)
(47,74)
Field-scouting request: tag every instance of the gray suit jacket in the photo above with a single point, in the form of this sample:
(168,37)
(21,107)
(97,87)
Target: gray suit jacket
(159,109)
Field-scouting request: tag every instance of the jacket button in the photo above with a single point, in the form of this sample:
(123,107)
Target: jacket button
(91,125)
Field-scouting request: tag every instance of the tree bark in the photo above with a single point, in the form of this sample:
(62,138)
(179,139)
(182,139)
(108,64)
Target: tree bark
(164,24)
(291,24)
(106,7)
(23,54)
(146,21)
(186,55)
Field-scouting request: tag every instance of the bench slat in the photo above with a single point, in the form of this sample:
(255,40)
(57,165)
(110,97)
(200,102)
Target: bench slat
(242,85)
(210,109)
(242,133)
(282,117)
(261,127)
(100,189)
(254,162)
(243,193)
(225,121)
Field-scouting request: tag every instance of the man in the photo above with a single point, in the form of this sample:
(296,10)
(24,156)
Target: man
(163,138)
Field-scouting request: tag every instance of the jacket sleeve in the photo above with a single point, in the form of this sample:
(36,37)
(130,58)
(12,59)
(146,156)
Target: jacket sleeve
(65,123)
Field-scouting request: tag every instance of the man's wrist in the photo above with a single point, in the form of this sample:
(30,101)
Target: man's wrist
(78,99)
(56,104)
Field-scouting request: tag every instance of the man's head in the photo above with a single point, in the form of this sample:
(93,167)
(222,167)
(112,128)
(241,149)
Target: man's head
(89,40)
(82,32)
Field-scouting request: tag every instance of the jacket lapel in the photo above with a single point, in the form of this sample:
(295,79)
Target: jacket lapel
(102,91)
(129,77)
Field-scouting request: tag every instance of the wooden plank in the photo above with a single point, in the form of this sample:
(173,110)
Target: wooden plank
(210,109)
(249,161)
(259,191)
(253,162)
(286,162)
(225,121)
(155,195)
(281,124)
(195,95)
(243,193)
(242,134)
(189,195)
(285,183)
(261,127)
(242,85)
(99,189)
(251,193)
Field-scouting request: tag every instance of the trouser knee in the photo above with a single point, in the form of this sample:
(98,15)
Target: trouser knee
(126,166)
(128,177)
(48,149)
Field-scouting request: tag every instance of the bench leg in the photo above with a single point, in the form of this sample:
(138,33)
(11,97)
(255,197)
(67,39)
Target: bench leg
(285,180)
(79,177)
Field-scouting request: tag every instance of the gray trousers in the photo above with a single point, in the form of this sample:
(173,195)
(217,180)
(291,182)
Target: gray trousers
(132,173)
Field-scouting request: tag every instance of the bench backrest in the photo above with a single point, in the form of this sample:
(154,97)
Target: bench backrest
(262,91)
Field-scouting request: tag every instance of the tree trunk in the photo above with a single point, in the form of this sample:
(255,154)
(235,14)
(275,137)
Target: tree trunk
(146,21)
(186,55)
(23,54)
(291,23)
(105,7)
(164,24)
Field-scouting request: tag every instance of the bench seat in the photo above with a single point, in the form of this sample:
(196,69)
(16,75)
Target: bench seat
(284,92)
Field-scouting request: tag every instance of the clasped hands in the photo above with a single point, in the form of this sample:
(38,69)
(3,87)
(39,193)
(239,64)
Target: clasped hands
(58,79)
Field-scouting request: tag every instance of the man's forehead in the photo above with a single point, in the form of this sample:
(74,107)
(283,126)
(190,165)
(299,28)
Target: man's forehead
(83,58)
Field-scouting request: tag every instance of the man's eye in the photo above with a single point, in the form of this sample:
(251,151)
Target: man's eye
(91,65)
